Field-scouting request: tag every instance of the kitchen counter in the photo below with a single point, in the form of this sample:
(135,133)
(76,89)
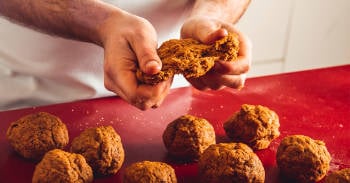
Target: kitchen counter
(315,103)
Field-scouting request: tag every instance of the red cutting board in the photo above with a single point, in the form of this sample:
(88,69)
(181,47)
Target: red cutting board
(314,103)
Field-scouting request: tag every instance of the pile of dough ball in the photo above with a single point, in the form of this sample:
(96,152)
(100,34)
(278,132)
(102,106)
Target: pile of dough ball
(43,136)
(191,137)
(298,157)
(191,57)
(251,128)
(99,151)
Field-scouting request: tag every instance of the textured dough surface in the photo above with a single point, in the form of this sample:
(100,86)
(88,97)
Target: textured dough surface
(303,159)
(254,125)
(340,176)
(230,162)
(35,134)
(188,136)
(191,58)
(102,149)
(60,166)
(149,172)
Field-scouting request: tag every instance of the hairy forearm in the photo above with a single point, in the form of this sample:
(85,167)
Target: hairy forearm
(227,10)
(75,19)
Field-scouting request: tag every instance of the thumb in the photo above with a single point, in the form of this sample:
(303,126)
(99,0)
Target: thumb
(146,53)
(210,32)
(215,35)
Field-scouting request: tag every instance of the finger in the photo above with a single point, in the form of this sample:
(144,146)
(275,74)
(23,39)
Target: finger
(246,46)
(240,66)
(159,100)
(233,81)
(144,96)
(120,78)
(198,83)
(216,81)
(215,35)
(145,48)
(244,59)
(112,85)
(205,32)
(151,96)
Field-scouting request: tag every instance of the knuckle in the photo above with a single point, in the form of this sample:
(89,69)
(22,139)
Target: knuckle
(198,84)
(142,103)
(217,87)
(148,55)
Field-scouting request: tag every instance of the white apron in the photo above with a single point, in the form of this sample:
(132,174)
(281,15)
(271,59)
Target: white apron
(39,69)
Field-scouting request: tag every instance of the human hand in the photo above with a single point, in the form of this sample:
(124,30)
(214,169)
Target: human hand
(230,74)
(130,42)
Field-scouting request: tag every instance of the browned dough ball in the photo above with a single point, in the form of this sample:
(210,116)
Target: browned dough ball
(35,134)
(230,162)
(149,172)
(303,159)
(188,136)
(340,176)
(254,125)
(102,149)
(59,166)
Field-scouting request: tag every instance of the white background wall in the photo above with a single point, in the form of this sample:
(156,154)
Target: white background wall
(293,35)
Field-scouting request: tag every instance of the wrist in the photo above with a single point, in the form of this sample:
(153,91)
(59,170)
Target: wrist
(228,11)
(117,22)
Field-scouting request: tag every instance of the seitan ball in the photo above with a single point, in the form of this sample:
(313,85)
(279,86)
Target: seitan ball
(340,176)
(303,159)
(188,136)
(254,125)
(149,172)
(102,149)
(35,134)
(60,166)
(230,162)
(191,58)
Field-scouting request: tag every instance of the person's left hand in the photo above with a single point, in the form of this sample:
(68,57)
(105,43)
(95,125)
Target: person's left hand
(231,74)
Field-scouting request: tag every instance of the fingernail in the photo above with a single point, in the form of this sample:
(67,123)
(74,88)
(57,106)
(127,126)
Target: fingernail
(225,32)
(152,67)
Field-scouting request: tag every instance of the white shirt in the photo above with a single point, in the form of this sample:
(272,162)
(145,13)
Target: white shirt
(39,69)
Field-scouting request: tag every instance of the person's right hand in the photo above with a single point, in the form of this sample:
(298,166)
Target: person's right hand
(224,74)
(130,42)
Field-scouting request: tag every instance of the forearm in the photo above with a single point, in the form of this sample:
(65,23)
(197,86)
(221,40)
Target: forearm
(227,10)
(75,19)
